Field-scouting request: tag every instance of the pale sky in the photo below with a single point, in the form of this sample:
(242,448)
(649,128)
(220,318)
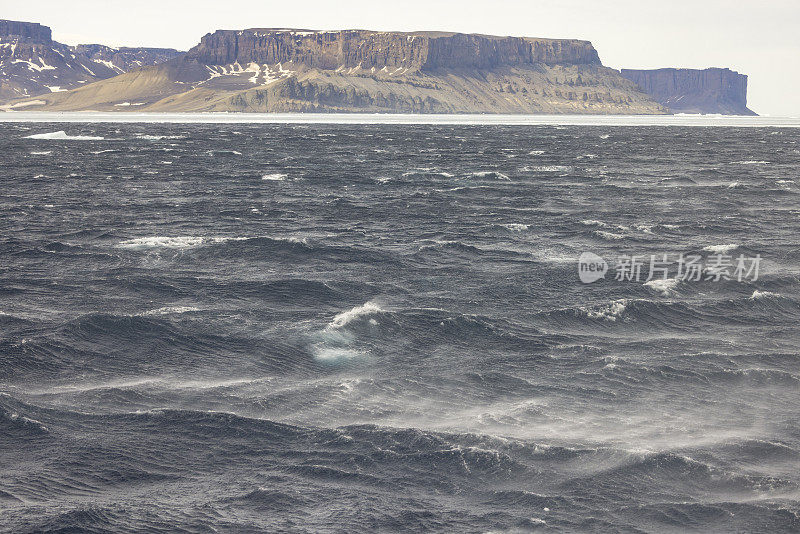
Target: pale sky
(757,38)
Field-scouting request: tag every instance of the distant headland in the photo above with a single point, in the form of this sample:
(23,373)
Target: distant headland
(290,70)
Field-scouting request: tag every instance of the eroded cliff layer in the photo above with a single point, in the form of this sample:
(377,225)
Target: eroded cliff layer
(270,70)
(714,90)
(30,31)
(368,49)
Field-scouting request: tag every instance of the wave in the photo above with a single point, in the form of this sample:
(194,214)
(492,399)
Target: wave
(608,236)
(184,242)
(449,250)
(663,286)
(595,222)
(763,295)
(150,137)
(369,330)
(124,344)
(275,177)
(721,249)
(464,188)
(335,342)
(496,175)
(171,310)
(677,182)
(62,136)
(674,474)
(345,318)
(427,172)
(547,168)
(606,312)
(16,425)
(271,499)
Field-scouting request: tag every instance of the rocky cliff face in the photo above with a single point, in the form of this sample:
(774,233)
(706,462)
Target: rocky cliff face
(713,90)
(29,31)
(378,50)
(281,70)
(32,64)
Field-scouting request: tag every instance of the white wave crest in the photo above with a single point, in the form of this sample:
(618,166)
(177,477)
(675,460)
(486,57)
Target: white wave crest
(721,249)
(763,295)
(491,174)
(516,227)
(275,177)
(335,342)
(148,137)
(665,287)
(332,354)
(184,242)
(344,318)
(547,168)
(62,136)
(607,312)
(170,310)
(594,222)
(608,236)
(27,421)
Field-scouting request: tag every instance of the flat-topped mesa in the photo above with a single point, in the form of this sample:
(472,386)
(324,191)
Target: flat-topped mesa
(713,90)
(284,70)
(30,31)
(331,50)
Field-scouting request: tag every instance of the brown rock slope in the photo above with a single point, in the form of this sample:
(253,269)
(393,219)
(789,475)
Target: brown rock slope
(276,70)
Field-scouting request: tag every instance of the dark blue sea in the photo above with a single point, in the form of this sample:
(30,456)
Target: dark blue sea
(382,328)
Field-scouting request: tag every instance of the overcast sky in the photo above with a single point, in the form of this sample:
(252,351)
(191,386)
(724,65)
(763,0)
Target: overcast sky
(757,38)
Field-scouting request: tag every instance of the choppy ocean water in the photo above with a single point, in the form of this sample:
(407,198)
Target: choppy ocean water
(361,328)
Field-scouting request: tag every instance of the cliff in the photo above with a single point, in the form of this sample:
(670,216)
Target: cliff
(29,31)
(368,49)
(716,91)
(32,64)
(281,70)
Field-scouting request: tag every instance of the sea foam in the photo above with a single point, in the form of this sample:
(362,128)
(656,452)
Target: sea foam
(663,286)
(720,249)
(62,136)
(184,242)
(345,318)
(607,312)
(335,342)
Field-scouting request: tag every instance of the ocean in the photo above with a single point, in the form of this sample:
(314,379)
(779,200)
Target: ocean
(399,327)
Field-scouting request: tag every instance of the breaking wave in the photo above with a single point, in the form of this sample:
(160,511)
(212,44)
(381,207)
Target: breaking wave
(62,136)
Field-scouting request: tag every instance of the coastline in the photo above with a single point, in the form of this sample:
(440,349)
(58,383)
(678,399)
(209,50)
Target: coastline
(400,119)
